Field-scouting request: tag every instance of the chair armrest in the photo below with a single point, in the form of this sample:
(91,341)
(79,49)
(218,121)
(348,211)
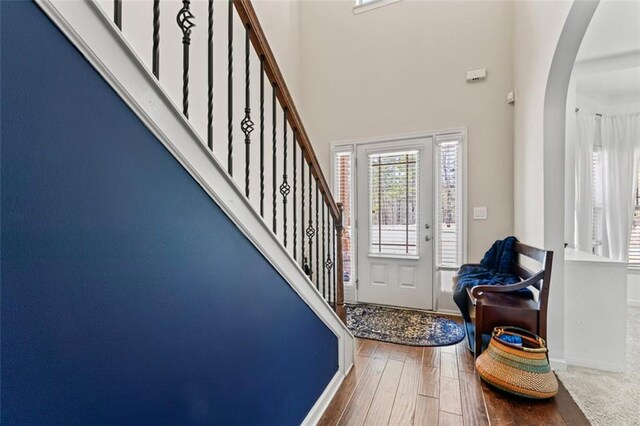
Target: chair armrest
(478,291)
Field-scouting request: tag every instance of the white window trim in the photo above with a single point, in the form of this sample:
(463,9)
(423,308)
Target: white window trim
(367,6)
(347,149)
(444,138)
(349,145)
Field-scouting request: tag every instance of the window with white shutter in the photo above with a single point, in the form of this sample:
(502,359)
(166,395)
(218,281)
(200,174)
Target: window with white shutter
(598,201)
(343,194)
(449,202)
(634,245)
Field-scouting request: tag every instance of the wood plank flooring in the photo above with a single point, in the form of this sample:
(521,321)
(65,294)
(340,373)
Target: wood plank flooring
(404,385)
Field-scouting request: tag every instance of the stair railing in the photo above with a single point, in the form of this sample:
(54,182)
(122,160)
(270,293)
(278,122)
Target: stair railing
(320,225)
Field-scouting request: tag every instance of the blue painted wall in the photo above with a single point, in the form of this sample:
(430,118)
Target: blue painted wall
(128,297)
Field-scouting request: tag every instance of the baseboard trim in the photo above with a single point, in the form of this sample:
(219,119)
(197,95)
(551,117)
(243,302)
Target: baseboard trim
(321,405)
(558,364)
(598,365)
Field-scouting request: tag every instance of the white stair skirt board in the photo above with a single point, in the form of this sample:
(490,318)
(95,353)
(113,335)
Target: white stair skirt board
(101,43)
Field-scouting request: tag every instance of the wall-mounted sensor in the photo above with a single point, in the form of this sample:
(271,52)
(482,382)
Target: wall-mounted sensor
(476,75)
(511,97)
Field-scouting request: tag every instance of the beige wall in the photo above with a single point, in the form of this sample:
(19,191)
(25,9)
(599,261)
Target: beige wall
(401,69)
(537,26)
(547,36)
(280,21)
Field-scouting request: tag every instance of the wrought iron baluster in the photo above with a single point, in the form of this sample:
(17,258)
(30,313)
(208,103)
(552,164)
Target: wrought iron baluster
(156,39)
(285,189)
(209,77)
(310,231)
(230,92)
(333,276)
(262,135)
(117,13)
(185,22)
(273,161)
(324,277)
(318,237)
(302,193)
(295,196)
(247,125)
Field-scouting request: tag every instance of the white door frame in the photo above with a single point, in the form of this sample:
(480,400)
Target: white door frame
(349,145)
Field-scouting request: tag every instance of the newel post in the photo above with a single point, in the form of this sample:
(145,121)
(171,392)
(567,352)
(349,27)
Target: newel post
(342,314)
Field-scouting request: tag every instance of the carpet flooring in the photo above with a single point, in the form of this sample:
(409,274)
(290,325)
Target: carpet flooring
(608,398)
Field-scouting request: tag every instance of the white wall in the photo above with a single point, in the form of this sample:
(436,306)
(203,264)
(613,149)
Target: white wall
(280,21)
(536,31)
(401,69)
(633,289)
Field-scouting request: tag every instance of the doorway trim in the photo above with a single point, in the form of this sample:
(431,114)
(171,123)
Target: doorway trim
(349,145)
(553,145)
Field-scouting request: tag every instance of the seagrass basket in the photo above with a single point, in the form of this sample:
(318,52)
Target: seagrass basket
(522,370)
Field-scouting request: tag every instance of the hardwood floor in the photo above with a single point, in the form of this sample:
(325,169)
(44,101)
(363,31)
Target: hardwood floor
(405,385)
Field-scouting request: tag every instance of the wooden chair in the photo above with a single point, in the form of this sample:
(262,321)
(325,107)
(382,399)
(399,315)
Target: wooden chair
(495,305)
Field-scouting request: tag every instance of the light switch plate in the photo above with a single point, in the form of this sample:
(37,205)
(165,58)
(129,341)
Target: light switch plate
(480,213)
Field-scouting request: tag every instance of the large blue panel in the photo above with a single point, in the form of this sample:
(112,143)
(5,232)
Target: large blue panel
(128,297)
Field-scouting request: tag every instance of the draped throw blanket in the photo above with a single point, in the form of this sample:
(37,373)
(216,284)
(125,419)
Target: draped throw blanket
(494,269)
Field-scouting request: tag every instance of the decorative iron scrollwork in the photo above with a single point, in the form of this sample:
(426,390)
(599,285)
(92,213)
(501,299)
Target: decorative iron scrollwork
(310,232)
(328,263)
(185,21)
(247,125)
(285,189)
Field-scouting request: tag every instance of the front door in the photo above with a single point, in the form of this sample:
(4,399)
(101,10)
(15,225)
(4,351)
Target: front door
(394,200)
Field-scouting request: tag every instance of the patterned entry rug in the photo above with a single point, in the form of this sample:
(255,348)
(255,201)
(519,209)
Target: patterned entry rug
(403,326)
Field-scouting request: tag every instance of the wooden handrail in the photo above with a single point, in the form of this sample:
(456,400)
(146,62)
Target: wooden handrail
(258,39)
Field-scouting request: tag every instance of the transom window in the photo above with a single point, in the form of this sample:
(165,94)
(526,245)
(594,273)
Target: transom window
(393,202)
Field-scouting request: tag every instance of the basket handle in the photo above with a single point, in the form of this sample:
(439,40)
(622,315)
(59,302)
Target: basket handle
(526,334)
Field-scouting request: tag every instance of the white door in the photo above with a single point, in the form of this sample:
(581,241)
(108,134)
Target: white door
(394,204)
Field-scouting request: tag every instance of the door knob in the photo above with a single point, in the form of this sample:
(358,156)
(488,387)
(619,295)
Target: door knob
(427,238)
(426,226)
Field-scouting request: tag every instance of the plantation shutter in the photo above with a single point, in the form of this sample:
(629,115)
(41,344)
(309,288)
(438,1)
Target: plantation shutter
(598,199)
(634,245)
(449,202)
(342,181)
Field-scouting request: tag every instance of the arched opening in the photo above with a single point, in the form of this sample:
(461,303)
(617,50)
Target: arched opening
(575,129)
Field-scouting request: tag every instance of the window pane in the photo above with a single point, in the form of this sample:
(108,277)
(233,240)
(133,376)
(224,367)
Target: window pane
(393,202)
(342,169)
(634,247)
(449,204)
(598,201)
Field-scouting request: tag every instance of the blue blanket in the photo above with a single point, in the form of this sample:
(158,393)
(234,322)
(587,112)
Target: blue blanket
(494,269)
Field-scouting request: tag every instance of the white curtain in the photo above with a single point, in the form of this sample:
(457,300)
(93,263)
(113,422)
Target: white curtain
(621,156)
(584,181)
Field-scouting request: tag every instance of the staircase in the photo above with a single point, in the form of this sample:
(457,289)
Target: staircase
(246,147)
(259,138)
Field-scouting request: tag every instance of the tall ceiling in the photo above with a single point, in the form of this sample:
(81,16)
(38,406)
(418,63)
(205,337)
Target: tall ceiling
(614,29)
(608,63)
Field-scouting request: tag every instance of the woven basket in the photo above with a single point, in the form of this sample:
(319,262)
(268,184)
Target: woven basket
(521,370)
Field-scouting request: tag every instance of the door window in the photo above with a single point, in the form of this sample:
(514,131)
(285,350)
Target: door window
(393,202)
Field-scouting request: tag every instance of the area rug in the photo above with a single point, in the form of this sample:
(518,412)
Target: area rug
(402,326)
(608,398)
